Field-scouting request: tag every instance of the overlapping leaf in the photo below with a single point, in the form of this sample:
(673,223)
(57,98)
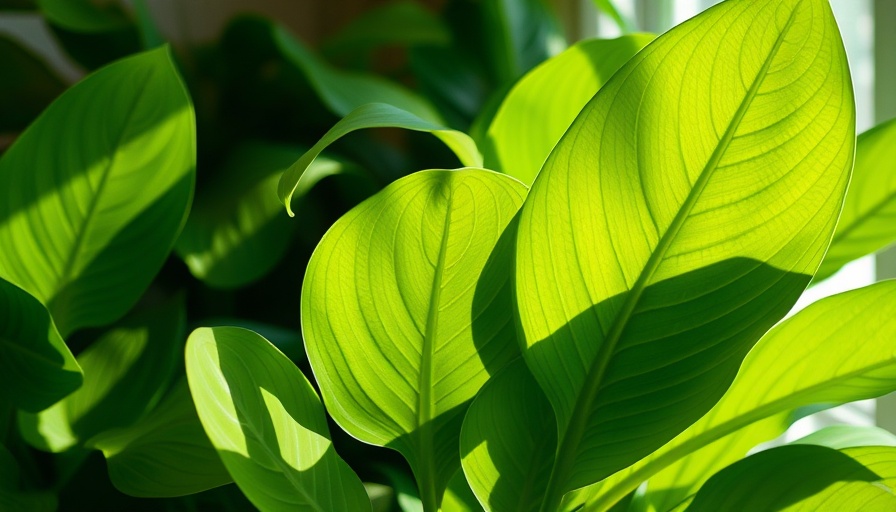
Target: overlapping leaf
(126,373)
(835,351)
(542,105)
(37,366)
(667,232)
(267,423)
(868,220)
(406,312)
(94,193)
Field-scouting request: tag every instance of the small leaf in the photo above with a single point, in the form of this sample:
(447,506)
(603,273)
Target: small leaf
(166,454)
(38,368)
(267,423)
(508,438)
(297,180)
(795,477)
(542,105)
(126,372)
(406,312)
(95,192)
(666,233)
(837,350)
(867,220)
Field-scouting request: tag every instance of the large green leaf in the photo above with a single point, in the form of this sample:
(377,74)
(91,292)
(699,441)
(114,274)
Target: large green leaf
(796,477)
(126,373)
(508,437)
(297,180)
(837,350)
(542,105)
(236,232)
(166,454)
(666,233)
(868,220)
(38,368)
(400,328)
(95,192)
(267,423)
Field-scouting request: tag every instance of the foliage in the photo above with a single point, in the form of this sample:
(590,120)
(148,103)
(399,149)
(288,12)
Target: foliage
(588,315)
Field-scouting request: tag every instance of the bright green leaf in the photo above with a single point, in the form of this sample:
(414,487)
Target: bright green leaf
(507,441)
(795,477)
(836,350)
(868,220)
(95,192)
(236,232)
(880,459)
(38,368)
(267,423)
(84,15)
(126,372)
(406,312)
(166,454)
(300,176)
(848,436)
(679,218)
(543,104)
(402,22)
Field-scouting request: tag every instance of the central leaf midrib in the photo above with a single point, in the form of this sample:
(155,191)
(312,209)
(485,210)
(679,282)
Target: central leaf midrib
(569,445)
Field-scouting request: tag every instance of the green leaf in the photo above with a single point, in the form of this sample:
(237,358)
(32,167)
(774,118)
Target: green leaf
(126,373)
(519,35)
(267,423)
(28,86)
(666,233)
(609,8)
(37,366)
(166,454)
(344,91)
(84,15)
(402,22)
(837,350)
(880,459)
(149,33)
(542,105)
(867,221)
(458,496)
(297,180)
(795,477)
(508,438)
(406,311)
(381,496)
(847,436)
(95,192)
(236,232)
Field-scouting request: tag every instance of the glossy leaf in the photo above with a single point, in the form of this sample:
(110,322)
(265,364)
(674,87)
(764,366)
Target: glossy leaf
(868,220)
(83,15)
(508,437)
(37,366)
(267,423)
(297,180)
(401,22)
(542,105)
(406,312)
(653,254)
(837,350)
(796,477)
(166,454)
(126,373)
(236,232)
(28,86)
(344,91)
(95,192)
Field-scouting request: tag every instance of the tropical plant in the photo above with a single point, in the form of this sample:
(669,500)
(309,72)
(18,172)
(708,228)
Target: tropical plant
(589,316)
